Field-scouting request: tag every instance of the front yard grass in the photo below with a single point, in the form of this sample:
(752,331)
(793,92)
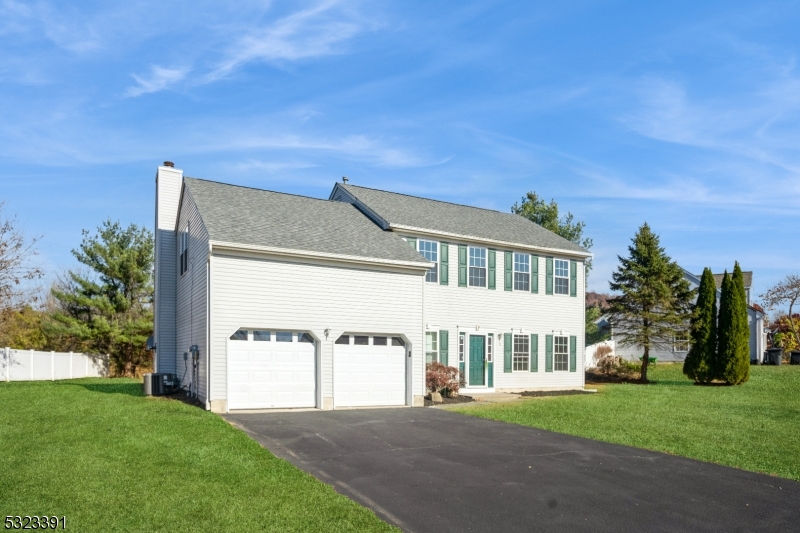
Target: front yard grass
(755,426)
(109,459)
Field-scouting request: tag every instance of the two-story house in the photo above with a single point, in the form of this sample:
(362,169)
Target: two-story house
(272,300)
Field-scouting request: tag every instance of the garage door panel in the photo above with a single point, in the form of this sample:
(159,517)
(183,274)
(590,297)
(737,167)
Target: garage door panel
(369,375)
(271,375)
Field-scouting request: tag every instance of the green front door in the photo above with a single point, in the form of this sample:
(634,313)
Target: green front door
(476,361)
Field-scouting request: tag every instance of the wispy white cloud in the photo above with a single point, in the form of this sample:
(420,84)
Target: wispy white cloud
(158,79)
(316,31)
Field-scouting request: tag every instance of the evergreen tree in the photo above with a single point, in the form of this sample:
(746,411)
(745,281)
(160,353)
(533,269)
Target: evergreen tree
(109,309)
(655,301)
(700,364)
(734,361)
(723,326)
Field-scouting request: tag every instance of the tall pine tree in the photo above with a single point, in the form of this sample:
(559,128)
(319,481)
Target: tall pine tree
(734,355)
(700,364)
(655,300)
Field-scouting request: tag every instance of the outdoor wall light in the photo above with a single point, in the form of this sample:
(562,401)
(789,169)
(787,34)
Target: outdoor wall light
(327,332)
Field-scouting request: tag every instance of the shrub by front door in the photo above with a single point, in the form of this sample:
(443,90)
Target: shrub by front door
(476,361)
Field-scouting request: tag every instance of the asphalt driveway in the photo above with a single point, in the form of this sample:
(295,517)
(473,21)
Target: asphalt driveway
(430,470)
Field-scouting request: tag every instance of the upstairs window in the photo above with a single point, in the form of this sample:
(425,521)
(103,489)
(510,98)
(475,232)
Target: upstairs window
(561,276)
(430,250)
(561,354)
(431,347)
(183,251)
(477,267)
(522,272)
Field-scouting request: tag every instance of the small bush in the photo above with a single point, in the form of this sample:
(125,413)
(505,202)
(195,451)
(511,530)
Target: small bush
(601,352)
(442,379)
(613,365)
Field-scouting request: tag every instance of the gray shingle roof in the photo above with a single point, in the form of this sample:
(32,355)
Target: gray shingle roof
(243,215)
(748,279)
(476,222)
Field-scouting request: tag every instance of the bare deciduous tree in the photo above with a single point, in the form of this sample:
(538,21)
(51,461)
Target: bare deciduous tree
(783,292)
(16,252)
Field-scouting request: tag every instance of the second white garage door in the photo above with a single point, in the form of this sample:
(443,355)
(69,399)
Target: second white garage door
(269,369)
(369,371)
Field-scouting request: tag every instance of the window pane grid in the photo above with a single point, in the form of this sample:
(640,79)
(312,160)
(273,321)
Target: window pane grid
(477,267)
(431,347)
(430,250)
(461,342)
(521,352)
(561,276)
(561,354)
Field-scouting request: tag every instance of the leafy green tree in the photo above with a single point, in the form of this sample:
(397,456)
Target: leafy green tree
(22,329)
(535,209)
(109,308)
(655,301)
(733,354)
(594,333)
(700,364)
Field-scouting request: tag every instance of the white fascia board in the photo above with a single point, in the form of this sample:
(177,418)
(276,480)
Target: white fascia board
(492,242)
(303,254)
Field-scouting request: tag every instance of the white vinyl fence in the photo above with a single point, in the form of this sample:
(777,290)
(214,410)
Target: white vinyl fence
(30,365)
(591,350)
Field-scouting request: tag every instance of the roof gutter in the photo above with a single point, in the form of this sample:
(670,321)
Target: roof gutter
(504,244)
(303,254)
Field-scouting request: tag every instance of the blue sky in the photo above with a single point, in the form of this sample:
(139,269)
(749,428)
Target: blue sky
(682,114)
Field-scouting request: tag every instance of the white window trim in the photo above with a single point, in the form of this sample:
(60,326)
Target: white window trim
(435,335)
(520,334)
(514,272)
(435,268)
(555,277)
(554,352)
(485,267)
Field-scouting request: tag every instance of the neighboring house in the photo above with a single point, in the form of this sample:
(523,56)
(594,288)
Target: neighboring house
(756,320)
(289,302)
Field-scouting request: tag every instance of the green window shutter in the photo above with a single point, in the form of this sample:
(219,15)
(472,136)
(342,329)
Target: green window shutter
(444,264)
(462,265)
(535,274)
(534,352)
(412,241)
(509,270)
(508,343)
(548,353)
(444,347)
(548,282)
(573,353)
(573,278)
(492,268)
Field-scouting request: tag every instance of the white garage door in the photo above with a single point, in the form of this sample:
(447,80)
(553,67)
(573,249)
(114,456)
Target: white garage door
(369,370)
(271,369)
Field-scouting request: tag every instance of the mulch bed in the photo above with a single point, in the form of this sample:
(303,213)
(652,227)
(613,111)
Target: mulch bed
(600,378)
(542,393)
(448,401)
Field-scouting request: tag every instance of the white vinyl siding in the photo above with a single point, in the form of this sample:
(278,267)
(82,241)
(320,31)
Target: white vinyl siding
(192,295)
(254,291)
(499,312)
(477,267)
(430,250)
(168,190)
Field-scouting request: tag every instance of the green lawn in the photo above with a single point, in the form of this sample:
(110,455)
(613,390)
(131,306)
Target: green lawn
(755,426)
(109,459)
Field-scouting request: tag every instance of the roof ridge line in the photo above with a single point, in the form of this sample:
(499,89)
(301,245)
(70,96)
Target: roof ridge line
(261,190)
(431,199)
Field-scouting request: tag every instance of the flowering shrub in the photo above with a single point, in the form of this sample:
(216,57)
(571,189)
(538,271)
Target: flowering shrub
(443,379)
